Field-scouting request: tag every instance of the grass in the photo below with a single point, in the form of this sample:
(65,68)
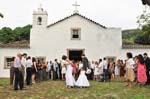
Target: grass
(57,90)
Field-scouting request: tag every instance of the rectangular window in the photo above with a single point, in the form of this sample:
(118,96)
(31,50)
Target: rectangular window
(8,62)
(75,34)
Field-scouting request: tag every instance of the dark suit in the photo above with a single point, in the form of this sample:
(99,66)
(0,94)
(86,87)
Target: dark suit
(147,63)
(85,63)
(18,79)
(12,75)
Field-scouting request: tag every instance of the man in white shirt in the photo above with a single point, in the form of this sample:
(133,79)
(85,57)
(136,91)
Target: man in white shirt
(28,70)
(49,66)
(23,63)
(101,67)
(101,70)
(105,63)
(105,68)
(56,70)
(92,69)
(18,74)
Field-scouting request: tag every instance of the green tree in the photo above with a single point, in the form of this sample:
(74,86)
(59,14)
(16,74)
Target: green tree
(6,35)
(25,35)
(144,18)
(18,34)
(146,2)
(144,36)
(144,26)
(17,31)
(22,33)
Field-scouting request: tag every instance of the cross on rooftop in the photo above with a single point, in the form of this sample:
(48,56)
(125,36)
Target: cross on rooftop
(76,9)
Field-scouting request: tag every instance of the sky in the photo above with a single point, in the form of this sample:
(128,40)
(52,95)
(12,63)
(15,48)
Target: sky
(110,13)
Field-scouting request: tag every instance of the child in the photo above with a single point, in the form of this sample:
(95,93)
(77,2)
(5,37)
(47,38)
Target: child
(96,71)
(82,80)
(117,69)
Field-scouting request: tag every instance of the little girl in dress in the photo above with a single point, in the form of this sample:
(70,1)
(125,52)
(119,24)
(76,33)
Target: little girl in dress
(96,71)
(82,81)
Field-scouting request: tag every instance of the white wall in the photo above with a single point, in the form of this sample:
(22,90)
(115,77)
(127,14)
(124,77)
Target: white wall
(133,51)
(97,41)
(6,52)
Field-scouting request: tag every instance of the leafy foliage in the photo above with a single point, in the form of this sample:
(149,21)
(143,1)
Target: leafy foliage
(141,35)
(18,34)
(144,25)
(144,18)
(146,2)
(129,36)
(6,35)
(144,37)
(137,36)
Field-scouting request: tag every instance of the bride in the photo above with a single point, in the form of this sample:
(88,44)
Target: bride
(70,81)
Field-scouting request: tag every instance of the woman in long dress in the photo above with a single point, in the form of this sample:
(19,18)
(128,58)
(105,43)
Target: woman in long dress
(70,81)
(34,69)
(141,71)
(122,68)
(74,65)
(130,76)
(111,70)
(82,80)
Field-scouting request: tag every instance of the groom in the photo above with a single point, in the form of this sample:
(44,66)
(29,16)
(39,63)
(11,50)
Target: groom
(85,64)
(85,61)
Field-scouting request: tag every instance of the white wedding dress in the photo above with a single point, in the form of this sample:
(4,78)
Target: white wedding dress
(70,81)
(82,80)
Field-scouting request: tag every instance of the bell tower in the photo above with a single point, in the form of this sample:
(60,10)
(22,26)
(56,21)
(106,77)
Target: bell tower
(40,18)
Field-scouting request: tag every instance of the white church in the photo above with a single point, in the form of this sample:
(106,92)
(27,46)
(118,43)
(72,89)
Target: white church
(74,35)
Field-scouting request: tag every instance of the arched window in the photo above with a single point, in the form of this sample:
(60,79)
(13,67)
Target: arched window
(39,21)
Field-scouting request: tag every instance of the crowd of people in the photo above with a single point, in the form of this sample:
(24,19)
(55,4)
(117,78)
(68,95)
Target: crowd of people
(27,70)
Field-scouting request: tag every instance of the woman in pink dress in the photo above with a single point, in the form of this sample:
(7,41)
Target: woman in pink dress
(111,70)
(74,65)
(141,71)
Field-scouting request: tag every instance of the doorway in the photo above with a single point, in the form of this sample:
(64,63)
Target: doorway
(75,54)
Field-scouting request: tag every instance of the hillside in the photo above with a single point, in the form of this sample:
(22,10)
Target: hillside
(129,36)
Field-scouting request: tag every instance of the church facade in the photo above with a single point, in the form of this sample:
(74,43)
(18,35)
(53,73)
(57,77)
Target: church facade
(74,34)
(71,36)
